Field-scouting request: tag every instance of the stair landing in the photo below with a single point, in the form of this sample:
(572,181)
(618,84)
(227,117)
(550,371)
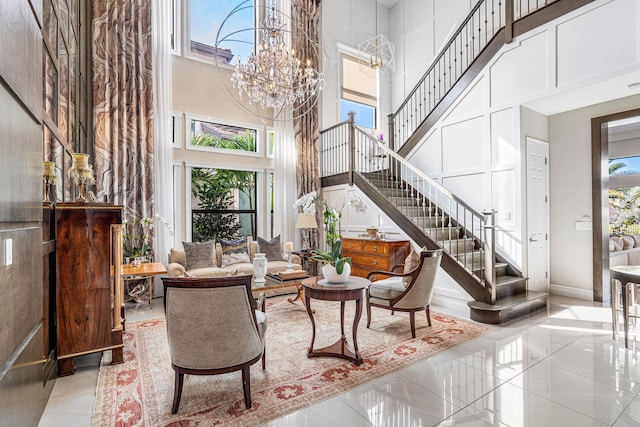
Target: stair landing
(508,307)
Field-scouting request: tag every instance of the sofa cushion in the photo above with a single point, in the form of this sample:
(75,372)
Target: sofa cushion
(387,289)
(199,254)
(617,243)
(271,248)
(234,251)
(206,272)
(177,255)
(410,263)
(627,242)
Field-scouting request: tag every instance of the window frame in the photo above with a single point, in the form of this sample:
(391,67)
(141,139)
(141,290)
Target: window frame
(259,132)
(352,53)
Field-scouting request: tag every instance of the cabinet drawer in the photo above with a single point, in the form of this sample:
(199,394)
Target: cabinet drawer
(371,263)
(351,245)
(375,248)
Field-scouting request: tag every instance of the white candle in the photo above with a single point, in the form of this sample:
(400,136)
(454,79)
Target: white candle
(288,246)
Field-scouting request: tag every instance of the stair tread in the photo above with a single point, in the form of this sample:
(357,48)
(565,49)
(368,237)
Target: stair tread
(508,280)
(508,301)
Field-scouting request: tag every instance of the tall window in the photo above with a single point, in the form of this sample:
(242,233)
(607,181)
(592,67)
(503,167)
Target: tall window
(207,23)
(358,92)
(223,204)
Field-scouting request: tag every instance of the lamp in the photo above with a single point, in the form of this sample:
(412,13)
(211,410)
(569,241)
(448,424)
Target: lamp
(49,178)
(81,173)
(377,52)
(306,221)
(274,77)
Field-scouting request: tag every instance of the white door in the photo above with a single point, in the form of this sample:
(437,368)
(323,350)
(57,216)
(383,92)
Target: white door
(538,215)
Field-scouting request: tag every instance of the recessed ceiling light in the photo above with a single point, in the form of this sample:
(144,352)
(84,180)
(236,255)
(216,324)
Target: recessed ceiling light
(633,85)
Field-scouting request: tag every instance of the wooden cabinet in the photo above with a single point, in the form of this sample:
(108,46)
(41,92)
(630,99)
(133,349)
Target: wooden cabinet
(88,300)
(369,254)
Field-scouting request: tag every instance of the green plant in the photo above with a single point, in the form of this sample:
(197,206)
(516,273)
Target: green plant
(136,238)
(331,219)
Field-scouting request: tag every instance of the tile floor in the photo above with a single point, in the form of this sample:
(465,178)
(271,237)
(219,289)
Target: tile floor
(558,367)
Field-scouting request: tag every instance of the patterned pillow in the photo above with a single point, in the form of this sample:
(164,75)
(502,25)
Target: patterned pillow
(272,248)
(199,254)
(234,251)
(410,263)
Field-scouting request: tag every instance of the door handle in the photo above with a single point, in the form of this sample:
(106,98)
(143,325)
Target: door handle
(531,239)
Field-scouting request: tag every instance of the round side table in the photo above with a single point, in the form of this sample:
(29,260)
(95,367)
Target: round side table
(352,290)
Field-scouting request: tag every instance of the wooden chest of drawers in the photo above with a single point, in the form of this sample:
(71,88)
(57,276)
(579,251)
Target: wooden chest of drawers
(374,254)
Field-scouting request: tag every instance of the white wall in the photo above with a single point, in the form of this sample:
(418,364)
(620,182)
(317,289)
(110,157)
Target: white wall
(347,23)
(419,29)
(570,179)
(477,148)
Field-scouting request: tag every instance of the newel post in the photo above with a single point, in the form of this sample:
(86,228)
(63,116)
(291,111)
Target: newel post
(352,145)
(490,255)
(508,21)
(390,137)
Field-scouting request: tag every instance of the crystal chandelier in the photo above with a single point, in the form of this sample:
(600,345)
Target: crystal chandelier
(377,52)
(274,77)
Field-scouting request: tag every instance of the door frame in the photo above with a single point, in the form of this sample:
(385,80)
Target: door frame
(545,144)
(600,200)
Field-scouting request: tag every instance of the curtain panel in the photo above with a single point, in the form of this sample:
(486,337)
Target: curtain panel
(306,41)
(123,104)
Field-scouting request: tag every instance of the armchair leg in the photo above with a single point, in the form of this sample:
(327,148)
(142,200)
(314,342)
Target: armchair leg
(368,315)
(428,315)
(264,357)
(412,320)
(246,385)
(177,392)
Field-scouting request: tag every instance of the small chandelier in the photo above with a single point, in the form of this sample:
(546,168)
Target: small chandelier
(377,52)
(274,77)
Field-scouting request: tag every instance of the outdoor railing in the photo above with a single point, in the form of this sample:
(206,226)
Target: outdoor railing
(465,233)
(484,21)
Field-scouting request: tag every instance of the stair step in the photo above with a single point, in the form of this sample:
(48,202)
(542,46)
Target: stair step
(396,192)
(457,247)
(443,233)
(404,201)
(510,285)
(420,220)
(501,268)
(508,308)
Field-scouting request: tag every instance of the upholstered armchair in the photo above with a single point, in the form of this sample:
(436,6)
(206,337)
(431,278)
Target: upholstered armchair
(213,328)
(410,291)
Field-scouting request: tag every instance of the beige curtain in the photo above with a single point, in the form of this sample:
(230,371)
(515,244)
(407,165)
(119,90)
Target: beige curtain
(123,104)
(306,18)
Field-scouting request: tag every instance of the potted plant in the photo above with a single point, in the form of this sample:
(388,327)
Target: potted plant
(335,267)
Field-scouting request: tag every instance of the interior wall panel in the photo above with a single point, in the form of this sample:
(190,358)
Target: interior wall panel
(464,147)
(614,45)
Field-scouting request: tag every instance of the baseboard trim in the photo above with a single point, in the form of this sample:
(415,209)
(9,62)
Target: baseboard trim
(450,303)
(571,292)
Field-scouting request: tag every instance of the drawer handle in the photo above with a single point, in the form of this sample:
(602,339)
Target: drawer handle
(374,262)
(375,248)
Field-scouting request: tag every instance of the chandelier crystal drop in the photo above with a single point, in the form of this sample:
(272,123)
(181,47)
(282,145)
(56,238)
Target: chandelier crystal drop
(274,77)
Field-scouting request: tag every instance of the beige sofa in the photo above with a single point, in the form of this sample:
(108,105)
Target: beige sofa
(177,262)
(624,250)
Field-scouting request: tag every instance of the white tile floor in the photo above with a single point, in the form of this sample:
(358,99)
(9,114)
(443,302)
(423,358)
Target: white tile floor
(558,367)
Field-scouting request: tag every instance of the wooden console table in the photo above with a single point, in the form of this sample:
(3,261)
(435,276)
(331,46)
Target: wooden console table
(369,254)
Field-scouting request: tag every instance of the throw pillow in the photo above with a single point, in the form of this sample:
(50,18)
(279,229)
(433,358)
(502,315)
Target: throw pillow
(410,263)
(234,251)
(199,254)
(272,248)
(628,242)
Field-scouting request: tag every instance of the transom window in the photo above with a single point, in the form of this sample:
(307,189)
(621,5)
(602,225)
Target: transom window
(221,136)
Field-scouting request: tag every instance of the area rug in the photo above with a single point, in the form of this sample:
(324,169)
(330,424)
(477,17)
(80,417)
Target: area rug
(139,392)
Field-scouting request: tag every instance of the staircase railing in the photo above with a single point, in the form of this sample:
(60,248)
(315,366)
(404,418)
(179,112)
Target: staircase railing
(465,233)
(484,21)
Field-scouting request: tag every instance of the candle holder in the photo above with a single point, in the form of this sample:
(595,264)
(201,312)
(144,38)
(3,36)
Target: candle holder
(48,178)
(81,173)
(289,265)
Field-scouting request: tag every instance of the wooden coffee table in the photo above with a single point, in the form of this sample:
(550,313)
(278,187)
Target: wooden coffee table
(353,290)
(273,281)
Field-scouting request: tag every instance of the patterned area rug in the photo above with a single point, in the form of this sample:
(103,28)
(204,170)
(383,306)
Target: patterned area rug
(139,392)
